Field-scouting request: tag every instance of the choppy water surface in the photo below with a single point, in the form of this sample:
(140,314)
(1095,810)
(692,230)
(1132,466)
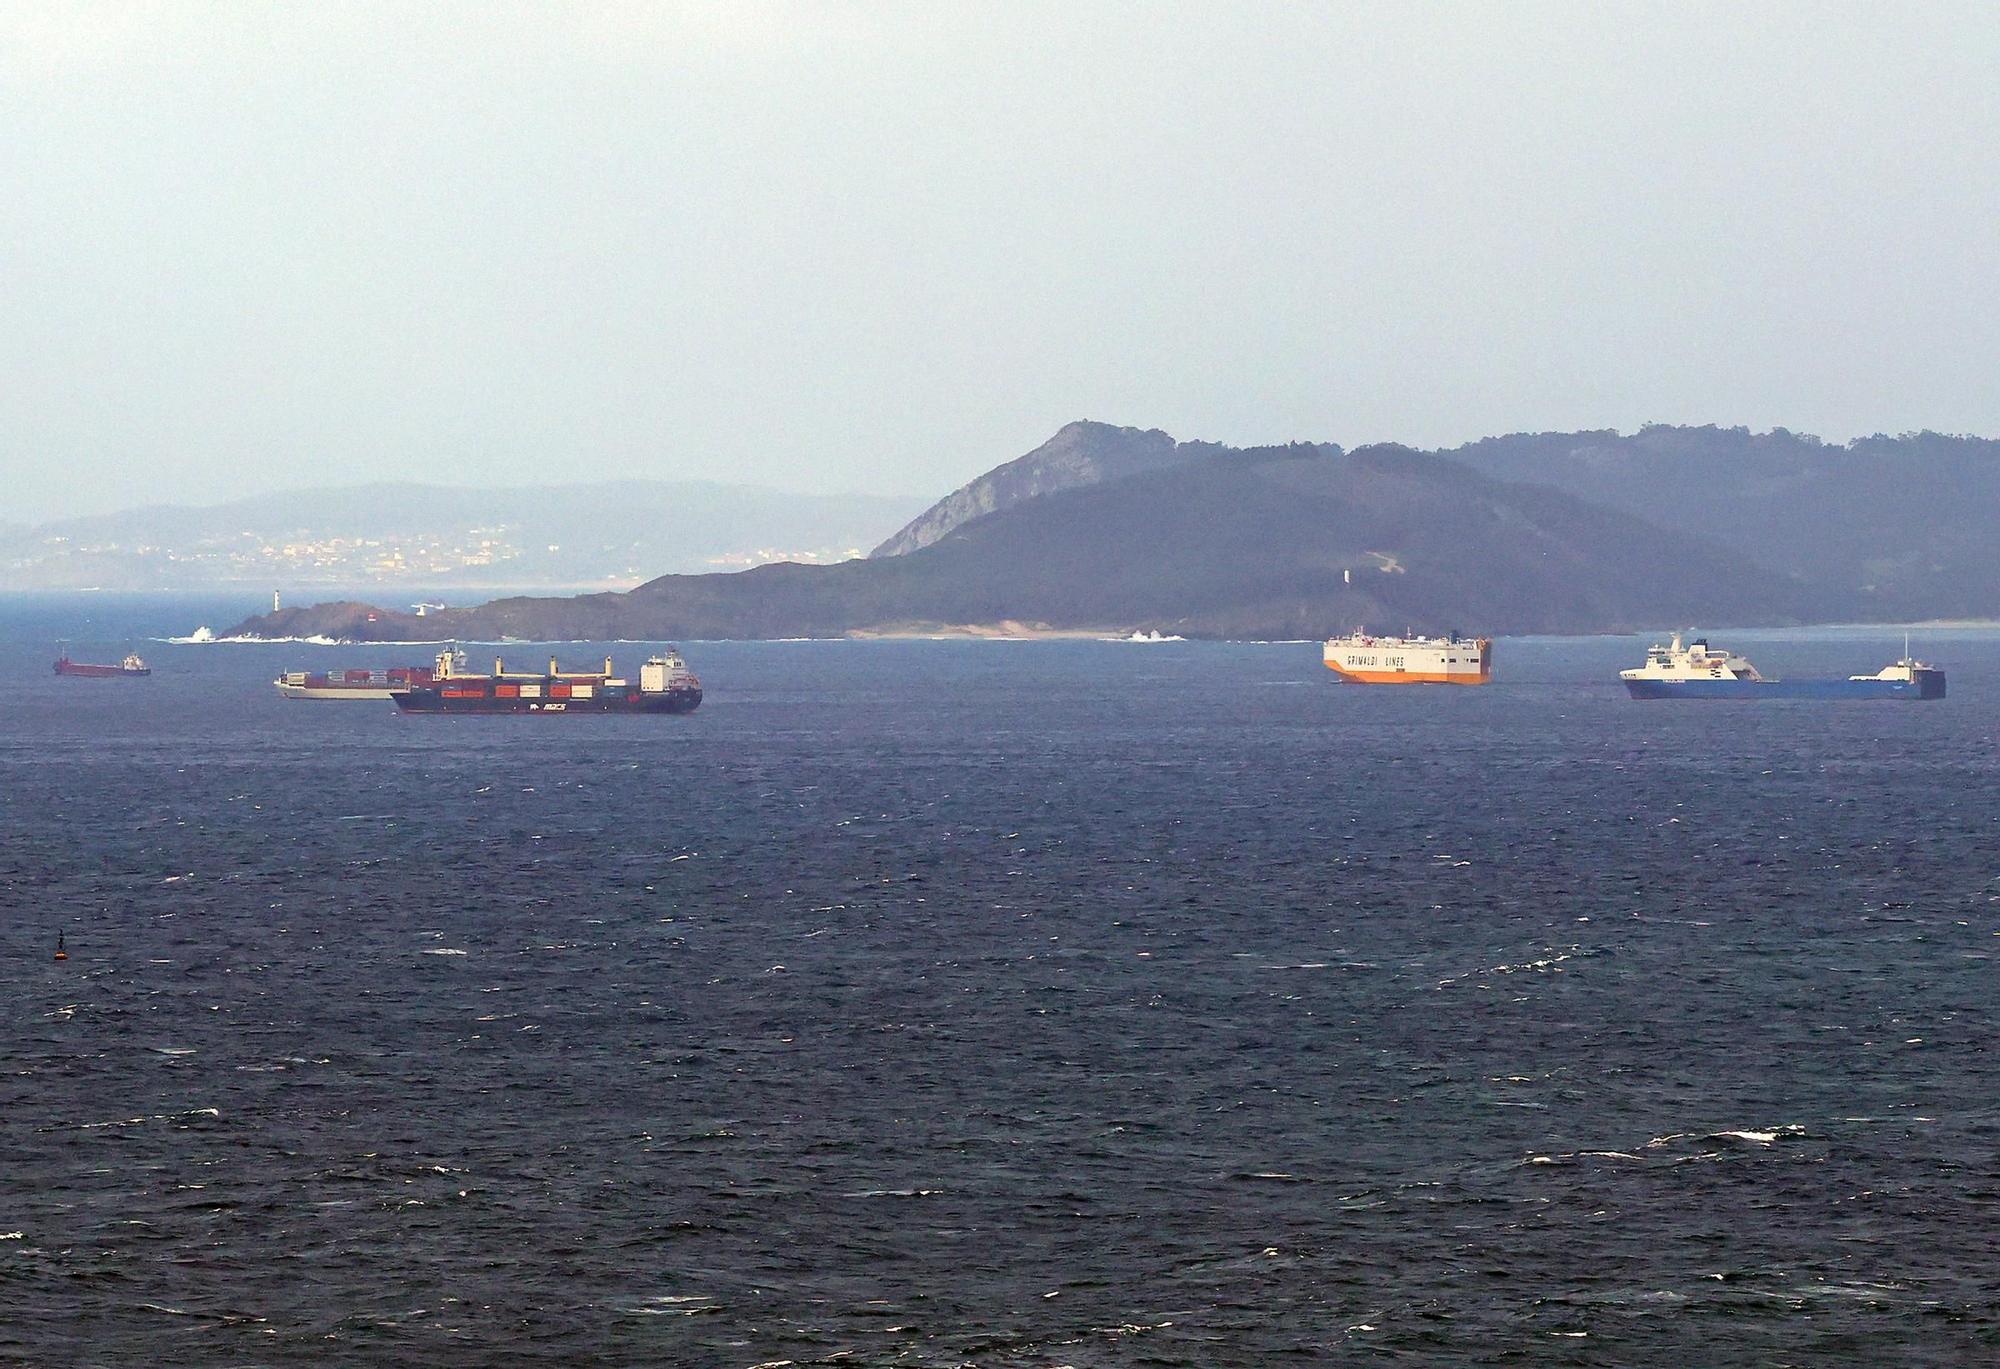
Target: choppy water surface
(1002,1004)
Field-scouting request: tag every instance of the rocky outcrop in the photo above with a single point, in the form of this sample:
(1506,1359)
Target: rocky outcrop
(1082,453)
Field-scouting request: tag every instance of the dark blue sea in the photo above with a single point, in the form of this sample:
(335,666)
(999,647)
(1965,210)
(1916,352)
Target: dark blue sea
(996,1004)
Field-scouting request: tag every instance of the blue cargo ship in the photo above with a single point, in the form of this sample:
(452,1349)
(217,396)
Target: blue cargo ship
(1698,671)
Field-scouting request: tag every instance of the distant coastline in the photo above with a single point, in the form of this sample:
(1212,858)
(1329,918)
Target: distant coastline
(1018,632)
(1105,531)
(395,538)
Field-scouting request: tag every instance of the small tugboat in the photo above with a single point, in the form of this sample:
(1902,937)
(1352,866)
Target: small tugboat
(131,666)
(1697,671)
(665,685)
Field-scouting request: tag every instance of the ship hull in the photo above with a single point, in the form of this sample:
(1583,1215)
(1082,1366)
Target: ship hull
(430,701)
(1928,685)
(335,692)
(1374,677)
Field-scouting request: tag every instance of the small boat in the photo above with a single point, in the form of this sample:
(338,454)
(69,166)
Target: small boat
(130,666)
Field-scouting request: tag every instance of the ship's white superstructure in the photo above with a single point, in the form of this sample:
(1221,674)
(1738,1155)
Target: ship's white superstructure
(1905,669)
(661,673)
(1450,659)
(1694,661)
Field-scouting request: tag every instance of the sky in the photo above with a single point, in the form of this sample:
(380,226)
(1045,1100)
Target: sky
(883,247)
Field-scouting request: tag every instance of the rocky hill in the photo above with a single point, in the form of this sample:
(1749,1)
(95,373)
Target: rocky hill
(1080,454)
(1280,542)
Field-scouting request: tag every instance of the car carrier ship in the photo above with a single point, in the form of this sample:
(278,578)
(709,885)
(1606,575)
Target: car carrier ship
(665,685)
(1699,671)
(1450,659)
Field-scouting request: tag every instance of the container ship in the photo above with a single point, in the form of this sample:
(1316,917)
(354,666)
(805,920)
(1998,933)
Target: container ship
(1699,671)
(354,684)
(665,685)
(130,666)
(1450,659)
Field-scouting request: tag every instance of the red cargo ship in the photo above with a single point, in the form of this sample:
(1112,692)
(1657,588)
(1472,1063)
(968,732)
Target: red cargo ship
(130,666)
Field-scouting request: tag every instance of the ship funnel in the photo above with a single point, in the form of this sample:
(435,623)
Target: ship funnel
(607,667)
(498,667)
(552,665)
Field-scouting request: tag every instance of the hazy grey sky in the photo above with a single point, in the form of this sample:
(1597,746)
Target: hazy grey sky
(881,247)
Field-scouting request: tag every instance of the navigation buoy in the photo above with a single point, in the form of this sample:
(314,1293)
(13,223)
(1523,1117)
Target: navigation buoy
(61,954)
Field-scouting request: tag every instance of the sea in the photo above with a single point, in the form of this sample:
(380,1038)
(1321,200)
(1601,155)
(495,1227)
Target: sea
(976,1003)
